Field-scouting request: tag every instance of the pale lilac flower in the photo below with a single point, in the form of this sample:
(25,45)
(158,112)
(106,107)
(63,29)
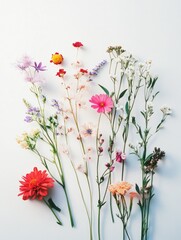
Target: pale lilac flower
(25,63)
(96,69)
(33,79)
(56,105)
(28,119)
(34,111)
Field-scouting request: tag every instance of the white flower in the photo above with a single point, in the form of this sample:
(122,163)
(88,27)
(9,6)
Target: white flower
(150,108)
(166,110)
(34,133)
(22,140)
(64,149)
(81,167)
(88,130)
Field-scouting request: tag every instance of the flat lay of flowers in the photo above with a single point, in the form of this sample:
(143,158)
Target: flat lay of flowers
(100,129)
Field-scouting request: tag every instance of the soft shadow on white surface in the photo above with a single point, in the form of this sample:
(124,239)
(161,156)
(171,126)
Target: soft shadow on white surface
(148,29)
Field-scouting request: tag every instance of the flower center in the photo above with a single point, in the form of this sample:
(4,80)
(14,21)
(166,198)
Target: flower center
(33,181)
(89,131)
(102,104)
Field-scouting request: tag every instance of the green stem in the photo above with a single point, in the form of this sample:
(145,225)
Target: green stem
(58,220)
(69,208)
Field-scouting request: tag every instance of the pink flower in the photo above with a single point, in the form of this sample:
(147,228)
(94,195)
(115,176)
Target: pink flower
(25,63)
(120,157)
(77,44)
(102,102)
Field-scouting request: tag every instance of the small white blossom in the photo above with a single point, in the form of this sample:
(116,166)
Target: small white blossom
(166,110)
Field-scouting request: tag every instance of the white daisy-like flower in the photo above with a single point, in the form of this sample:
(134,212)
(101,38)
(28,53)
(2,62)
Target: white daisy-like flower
(88,130)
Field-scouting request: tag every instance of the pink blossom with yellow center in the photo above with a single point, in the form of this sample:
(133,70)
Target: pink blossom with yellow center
(102,102)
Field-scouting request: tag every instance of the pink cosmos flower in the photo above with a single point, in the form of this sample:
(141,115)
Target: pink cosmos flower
(102,102)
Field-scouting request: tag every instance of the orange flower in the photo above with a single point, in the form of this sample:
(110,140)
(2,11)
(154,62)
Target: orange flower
(112,188)
(120,188)
(133,195)
(57,58)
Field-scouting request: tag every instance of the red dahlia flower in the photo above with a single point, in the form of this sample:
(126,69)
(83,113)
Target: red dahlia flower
(77,44)
(35,185)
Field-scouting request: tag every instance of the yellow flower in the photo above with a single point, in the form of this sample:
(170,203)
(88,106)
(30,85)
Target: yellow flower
(57,58)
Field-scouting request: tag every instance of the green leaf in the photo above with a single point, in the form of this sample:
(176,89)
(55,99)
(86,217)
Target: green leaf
(154,81)
(150,82)
(104,89)
(143,113)
(137,188)
(122,93)
(127,108)
(148,157)
(52,205)
(134,120)
(140,132)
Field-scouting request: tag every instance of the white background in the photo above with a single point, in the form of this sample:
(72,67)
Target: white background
(150,29)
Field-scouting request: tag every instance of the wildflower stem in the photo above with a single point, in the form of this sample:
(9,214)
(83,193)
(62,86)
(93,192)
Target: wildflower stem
(74,115)
(58,220)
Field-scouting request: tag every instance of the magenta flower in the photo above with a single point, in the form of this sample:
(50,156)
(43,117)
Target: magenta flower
(102,102)
(120,157)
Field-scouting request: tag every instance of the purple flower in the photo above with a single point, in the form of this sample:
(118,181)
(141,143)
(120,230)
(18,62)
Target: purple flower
(55,104)
(96,69)
(28,119)
(34,111)
(39,67)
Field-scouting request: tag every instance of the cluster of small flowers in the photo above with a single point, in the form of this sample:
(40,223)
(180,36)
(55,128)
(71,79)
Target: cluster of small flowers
(118,49)
(166,110)
(119,188)
(33,113)
(96,69)
(26,63)
(28,140)
(56,105)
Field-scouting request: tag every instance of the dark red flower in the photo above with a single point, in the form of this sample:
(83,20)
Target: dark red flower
(77,44)
(83,71)
(35,185)
(61,72)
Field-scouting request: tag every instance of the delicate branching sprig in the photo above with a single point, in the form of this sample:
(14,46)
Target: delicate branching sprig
(148,162)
